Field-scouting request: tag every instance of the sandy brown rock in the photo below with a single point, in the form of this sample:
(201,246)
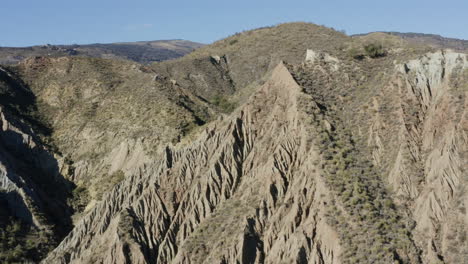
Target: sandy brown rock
(429,166)
(252,170)
(330,160)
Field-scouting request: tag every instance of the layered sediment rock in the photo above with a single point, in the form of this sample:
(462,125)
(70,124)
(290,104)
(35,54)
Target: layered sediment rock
(322,164)
(425,140)
(245,191)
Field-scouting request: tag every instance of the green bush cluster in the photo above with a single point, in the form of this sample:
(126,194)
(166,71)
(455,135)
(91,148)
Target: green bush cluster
(374,50)
(223,103)
(79,199)
(20,243)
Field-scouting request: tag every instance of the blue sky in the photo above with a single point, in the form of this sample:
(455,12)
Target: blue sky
(30,22)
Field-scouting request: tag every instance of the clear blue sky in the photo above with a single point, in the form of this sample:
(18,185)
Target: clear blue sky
(30,22)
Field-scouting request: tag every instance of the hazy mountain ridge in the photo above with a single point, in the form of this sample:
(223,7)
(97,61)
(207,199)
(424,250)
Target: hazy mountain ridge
(142,51)
(430,39)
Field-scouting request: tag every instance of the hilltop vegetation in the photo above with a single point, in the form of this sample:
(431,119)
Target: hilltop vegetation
(247,56)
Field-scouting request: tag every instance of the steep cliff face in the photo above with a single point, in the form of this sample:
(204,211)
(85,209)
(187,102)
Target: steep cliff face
(426,144)
(245,191)
(33,190)
(261,186)
(411,123)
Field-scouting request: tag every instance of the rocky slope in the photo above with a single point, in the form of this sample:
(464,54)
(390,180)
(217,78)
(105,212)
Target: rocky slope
(285,144)
(428,170)
(246,191)
(142,52)
(110,121)
(231,68)
(53,130)
(218,157)
(228,183)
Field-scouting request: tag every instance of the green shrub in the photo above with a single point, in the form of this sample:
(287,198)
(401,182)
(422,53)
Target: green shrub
(234,41)
(374,50)
(356,53)
(224,104)
(20,243)
(79,199)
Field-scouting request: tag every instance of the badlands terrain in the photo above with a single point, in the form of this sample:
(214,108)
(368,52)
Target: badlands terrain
(287,144)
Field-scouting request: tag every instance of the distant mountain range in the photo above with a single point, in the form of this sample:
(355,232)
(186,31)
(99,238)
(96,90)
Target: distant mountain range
(142,52)
(160,50)
(433,40)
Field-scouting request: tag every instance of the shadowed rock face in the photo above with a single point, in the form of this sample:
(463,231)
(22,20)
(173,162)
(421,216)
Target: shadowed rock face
(27,165)
(33,189)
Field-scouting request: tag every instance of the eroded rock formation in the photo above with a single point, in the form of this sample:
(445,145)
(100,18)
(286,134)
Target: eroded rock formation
(330,160)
